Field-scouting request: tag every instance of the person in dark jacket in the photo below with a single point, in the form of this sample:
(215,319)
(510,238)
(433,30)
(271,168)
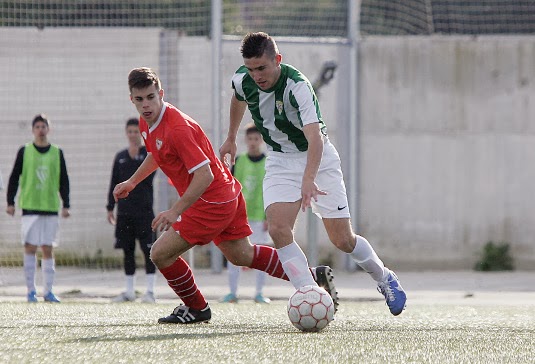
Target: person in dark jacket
(134,214)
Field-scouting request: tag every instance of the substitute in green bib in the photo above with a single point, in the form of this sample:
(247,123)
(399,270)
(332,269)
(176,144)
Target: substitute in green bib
(41,173)
(250,169)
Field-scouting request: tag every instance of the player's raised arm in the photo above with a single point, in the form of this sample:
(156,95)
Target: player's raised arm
(148,166)
(237,109)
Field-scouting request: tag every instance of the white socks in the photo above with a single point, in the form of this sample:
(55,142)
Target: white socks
(295,265)
(367,259)
(151,278)
(30,264)
(233,277)
(130,281)
(48,269)
(260,281)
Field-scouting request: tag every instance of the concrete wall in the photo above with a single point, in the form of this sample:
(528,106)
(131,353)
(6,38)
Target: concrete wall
(447,148)
(446,136)
(78,77)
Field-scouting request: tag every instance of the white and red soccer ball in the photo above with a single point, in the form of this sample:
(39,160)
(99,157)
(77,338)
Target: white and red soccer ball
(310,309)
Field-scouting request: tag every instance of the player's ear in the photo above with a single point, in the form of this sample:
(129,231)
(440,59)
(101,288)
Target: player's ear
(278,58)
(131,98)
(161,93)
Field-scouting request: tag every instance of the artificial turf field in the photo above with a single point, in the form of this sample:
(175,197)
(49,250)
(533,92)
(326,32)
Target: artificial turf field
(363,332)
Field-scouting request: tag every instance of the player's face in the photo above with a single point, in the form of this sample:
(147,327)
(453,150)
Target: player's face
(254,142)
(148,102)
(265,70)
(40,130)
(133,135)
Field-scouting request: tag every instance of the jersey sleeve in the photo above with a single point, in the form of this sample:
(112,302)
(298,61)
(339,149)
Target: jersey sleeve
(237,85)
(189,149)
(13,184)
(304,100)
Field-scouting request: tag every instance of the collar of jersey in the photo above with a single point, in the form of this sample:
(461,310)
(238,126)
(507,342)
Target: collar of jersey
(152,128)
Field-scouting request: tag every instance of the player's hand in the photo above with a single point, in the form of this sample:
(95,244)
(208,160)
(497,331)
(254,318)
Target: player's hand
(10,210)
(111,218)
(164,220)
(65,213)
(122,190)
(229,147)
(309,191)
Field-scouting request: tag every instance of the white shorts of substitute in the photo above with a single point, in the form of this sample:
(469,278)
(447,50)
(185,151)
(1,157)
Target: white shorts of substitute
(284,175)
(39,229)
(259,235)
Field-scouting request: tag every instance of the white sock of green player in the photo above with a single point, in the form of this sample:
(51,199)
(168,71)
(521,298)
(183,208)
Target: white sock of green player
(367,259)
(130,282)
(295,265)
(151,279)
(48,268)
(30,264)
(233,278)
(260,281)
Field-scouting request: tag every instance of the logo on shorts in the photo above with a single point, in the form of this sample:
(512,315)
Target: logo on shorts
(159,143)
(341,208)
(279,106)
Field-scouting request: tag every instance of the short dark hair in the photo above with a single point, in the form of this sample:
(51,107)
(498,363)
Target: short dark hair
(143,77)
(40,118)
(251,128)
(132,121)
(255,45)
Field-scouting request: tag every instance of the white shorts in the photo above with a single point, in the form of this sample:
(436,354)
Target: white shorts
(259,235)
(39,229)
(284,175)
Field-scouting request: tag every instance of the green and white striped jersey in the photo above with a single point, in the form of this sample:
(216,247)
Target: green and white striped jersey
(281,111)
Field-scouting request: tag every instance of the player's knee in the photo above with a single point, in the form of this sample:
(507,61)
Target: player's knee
(155,256)
(279,232)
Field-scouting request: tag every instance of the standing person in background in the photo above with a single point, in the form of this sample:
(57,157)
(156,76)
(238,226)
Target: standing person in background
(42,173)
(250,170)
(134,214)
(302,168)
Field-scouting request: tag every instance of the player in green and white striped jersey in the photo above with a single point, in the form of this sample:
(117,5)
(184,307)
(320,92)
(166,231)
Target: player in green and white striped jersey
(281,111)
(302,168)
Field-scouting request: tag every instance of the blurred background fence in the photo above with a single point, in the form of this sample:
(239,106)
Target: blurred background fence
(431,108)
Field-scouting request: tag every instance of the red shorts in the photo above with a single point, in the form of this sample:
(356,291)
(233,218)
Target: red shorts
(205,222)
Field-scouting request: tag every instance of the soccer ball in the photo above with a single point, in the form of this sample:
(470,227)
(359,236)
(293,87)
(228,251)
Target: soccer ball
(310,308)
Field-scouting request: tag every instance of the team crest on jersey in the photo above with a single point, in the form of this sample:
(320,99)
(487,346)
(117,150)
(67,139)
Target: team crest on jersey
(159,143)
(144,135)
(279,106)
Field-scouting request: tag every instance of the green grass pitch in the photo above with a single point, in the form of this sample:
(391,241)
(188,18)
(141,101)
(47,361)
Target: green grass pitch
(363,332)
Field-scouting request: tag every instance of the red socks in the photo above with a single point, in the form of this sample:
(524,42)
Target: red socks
(267,260)
(180,279)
